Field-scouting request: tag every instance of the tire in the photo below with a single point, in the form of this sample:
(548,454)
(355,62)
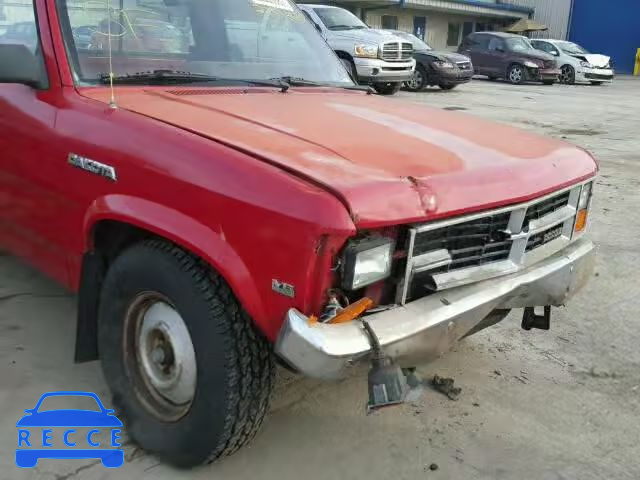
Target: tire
(567,75)
(387,88)
(351,68)
(596,83)
(224,385)
(447,86)
(419,80)
(548,82)
(516,74)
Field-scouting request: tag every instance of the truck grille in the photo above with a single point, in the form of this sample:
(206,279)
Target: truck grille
(470,243)
(396,51)
(454,252)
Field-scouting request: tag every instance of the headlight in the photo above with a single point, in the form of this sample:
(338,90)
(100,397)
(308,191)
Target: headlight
(585,196)
(529,64)
(583,207)
(366,262)
(368,51)
(443,64)
(586,64)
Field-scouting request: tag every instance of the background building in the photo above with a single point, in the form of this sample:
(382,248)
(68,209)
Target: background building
(444,23)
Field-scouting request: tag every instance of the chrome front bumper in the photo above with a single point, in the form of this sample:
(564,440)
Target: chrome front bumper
(425,329)
(377,70)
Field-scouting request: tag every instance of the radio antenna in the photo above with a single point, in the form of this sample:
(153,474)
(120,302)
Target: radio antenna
(112,102)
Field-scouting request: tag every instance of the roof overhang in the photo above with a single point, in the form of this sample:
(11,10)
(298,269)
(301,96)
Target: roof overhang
(463,7)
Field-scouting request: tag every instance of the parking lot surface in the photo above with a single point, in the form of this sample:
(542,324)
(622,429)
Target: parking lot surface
(563,404)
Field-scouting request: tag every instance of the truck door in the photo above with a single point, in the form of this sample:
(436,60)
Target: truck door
(28,146)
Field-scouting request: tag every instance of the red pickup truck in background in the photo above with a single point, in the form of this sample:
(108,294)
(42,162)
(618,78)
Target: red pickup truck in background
(219,205)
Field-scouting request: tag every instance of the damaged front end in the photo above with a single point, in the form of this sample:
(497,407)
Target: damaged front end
(436,283)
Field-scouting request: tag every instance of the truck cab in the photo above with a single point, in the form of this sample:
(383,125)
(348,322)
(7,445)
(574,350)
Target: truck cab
(371,56)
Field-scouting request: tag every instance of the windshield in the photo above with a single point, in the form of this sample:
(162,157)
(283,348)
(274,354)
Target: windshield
(518,44)
(417,43)
(339,19)
(572,48)
(228,39)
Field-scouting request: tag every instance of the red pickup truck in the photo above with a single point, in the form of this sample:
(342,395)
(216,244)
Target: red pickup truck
(221,194)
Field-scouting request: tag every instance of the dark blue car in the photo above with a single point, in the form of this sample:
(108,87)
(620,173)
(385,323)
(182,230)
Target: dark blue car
(105,418)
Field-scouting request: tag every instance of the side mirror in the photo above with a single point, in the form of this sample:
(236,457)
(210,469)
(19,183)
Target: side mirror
(500,49)
(19,65)
(555,53)
(318,27)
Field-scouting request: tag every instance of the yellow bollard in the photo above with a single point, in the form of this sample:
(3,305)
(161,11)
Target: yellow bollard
(636,71)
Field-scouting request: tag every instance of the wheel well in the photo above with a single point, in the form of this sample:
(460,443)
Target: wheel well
(109,238)
(345,55)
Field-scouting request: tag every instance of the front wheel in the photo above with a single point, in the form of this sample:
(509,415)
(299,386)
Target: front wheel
(190,375)
(418,80)
(447,86)
(567,75)
(387,88)
(516,74)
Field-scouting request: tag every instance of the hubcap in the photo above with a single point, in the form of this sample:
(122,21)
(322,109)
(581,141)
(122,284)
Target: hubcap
(516,74)
(416,80)
(565,77)
(164,355)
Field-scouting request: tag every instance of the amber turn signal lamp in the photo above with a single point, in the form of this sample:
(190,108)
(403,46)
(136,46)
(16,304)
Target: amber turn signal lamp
(581,221)
(353,311)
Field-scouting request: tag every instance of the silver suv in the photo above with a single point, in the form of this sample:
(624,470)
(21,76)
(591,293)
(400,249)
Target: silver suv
(371,56)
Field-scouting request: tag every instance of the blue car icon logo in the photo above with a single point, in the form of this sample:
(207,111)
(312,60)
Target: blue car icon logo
(34,444)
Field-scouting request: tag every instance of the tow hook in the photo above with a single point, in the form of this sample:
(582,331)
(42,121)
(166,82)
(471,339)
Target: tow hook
(387,383)
(531,320)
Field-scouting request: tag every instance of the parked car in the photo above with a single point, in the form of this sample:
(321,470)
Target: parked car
(576,63)
(371,56)
(509,56)
(254,217)
(445,69)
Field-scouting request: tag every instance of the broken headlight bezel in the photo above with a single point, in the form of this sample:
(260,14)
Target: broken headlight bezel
(366,261)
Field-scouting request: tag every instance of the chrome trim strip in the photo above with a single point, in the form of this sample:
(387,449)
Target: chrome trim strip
(550,220)
(431,260)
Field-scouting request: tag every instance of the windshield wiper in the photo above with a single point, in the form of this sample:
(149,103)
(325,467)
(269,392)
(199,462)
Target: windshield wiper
(301,82)
(174,77)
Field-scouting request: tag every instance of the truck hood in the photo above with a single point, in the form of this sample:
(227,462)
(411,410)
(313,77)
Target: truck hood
(389,161)
(600,61)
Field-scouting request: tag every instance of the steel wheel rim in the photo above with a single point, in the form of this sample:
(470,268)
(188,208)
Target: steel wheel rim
(416,80)
(516,75)
(565,76)
(163,356)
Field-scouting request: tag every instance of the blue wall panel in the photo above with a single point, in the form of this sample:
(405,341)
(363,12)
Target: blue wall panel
(610,27)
